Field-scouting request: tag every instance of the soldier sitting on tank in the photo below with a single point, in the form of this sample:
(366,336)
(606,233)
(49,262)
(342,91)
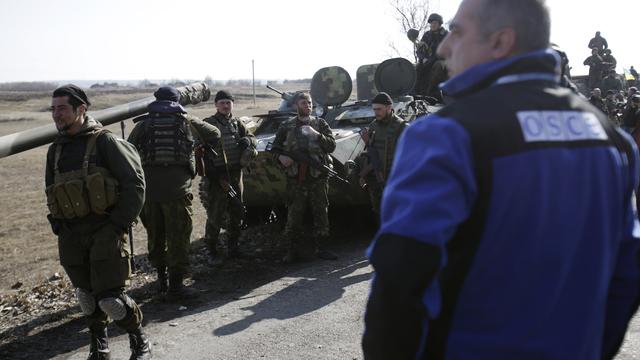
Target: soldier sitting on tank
(307,187)
(380,139)
(234,152)
(95,190)
(165,140)
(431,68)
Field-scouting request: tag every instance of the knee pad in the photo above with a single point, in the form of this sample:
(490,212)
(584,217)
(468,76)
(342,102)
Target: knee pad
(86,301)
(114,307)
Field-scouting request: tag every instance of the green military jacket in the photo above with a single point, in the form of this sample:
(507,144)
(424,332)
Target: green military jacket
(117,156)
(383,136)
(167,183)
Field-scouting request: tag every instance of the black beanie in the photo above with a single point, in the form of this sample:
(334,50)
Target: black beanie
(382,98)
(167,93)
(72,91)
(223,95)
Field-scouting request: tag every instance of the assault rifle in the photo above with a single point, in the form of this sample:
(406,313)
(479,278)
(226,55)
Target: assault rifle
(206,167)
(375,164)
(301,157)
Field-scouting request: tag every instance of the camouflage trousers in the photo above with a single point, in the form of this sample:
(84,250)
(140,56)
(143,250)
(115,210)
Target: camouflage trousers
(96,259)
(217,205)
(169,225)
(311,194)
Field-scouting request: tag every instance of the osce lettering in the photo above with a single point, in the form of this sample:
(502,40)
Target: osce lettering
(540,126)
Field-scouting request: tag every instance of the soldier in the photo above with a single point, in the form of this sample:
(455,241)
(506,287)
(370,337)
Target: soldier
(610,61)
(599,43)
(165,140)
(596,66)
(380,138)
(611,82)
(597,101)
(95,190)
(307,187)
(235,151)
(431,68)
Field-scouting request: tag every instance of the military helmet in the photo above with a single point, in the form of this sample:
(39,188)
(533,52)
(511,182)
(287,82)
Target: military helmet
(435,17)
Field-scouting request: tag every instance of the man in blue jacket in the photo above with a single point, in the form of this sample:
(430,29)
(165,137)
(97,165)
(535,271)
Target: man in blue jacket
(508,229)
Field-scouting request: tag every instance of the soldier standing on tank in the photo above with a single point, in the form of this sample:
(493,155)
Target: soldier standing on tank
(95,190)
(431,68)
(596,66)
(307,187)
(599,43)
(165,140)
(235,150)
(381,137)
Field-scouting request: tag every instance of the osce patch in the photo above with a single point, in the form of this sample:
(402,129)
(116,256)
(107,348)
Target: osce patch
(538,126)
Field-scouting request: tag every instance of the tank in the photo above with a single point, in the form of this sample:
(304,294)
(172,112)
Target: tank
(32,138)
(331,90)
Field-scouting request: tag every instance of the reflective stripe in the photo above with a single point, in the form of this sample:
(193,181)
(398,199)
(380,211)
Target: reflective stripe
(527,77)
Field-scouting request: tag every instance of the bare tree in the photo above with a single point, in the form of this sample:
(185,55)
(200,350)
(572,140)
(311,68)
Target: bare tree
(410,14)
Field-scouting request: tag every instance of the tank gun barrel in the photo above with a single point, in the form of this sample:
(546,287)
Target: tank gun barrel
(286,96)
(29,139)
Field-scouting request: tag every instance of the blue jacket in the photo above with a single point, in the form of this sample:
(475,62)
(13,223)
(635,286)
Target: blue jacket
(508,228)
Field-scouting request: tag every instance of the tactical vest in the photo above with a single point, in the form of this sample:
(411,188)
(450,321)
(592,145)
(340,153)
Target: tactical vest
(168,141)
(228,149)
(384,139)
(78,193)
(295,140)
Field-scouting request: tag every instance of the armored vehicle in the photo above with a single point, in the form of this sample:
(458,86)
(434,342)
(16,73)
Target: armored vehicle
(331,90)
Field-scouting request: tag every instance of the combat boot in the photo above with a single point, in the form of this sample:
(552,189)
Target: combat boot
(99,349)
(177,290)
(140,345)
(163,281)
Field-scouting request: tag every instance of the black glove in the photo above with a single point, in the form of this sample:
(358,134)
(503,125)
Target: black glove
(55,224)
(244,143)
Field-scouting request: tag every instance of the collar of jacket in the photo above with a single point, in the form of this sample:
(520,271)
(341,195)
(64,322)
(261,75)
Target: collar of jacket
(223,118)
(166,107)
(541,65)
(89,126)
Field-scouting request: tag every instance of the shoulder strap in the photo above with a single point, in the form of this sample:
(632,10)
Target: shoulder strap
(90,149)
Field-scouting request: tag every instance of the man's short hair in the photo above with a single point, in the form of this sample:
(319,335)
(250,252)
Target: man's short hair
(529,18)
(75,94)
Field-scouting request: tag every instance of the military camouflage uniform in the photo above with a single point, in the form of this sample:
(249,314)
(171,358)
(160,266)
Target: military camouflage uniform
(431,69)
(92,243)
(227,169)
(306,186)
(168,212)
(383,137)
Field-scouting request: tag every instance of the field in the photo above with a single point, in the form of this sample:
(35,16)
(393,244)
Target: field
(28,249)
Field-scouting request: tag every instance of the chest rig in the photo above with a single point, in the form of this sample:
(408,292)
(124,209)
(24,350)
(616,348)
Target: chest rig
(88,190)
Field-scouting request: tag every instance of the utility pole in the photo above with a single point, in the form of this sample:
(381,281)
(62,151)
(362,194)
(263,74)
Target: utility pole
(253,81)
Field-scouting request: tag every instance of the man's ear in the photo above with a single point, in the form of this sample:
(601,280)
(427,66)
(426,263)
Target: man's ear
(503,43)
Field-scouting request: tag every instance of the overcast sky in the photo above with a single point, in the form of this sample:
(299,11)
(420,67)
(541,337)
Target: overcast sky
(190,39)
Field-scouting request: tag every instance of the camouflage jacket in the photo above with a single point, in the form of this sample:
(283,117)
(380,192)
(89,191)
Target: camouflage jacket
(290,138)
(231,131)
